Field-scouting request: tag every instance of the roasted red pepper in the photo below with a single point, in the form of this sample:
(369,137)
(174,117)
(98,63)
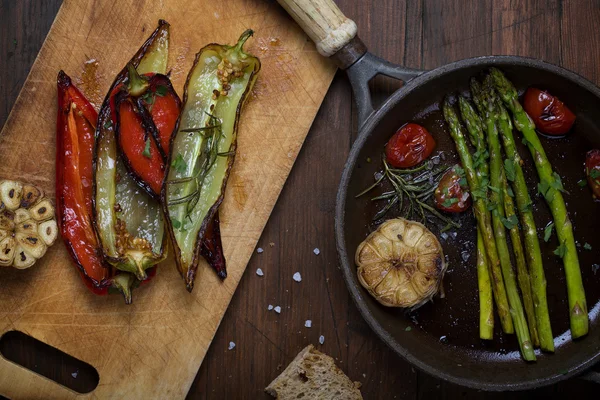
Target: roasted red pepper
(146,114)
(75,128)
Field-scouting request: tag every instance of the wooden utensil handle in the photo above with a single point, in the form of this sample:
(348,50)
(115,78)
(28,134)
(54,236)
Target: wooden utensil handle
(323,22)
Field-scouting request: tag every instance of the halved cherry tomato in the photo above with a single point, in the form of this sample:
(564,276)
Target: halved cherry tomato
(410,145)
(550,115)
(452,194)
(592,170)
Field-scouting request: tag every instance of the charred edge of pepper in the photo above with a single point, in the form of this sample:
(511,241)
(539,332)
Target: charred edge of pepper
(104,283)
(149,127)
(147,124)
(212,248)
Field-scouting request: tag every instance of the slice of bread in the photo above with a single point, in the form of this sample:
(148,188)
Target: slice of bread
(313,375)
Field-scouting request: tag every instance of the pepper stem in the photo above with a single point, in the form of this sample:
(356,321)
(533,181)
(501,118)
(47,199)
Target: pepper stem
(137,84)
(243,38)
(123,283)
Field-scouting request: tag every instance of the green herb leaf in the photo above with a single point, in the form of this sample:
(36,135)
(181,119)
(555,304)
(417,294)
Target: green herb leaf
(146,152)
(408,329)
(179,164)
(527,208)
(494,189)
(459,171)
(492,206)
(548,231)
(547,191)
(148,98)
(161,90)
(176,224)
(108,124)
(462,182)
(509,167)
(449,202)
(479,194)
(587,246)
(557,183)
(595,173)
(510,222)
(582,183)
(561,250)
(510,192)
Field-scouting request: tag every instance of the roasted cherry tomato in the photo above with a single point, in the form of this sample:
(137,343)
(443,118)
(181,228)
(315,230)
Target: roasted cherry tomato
(592,170)
(452,193)
(410,145)
(550,115)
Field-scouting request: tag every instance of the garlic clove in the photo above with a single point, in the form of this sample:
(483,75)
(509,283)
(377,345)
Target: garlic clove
(23,259)
(32,244)
(10,194)
(21,215)
(48,231)
(27,228)
(30,196)
(7,250)
(7,221)
(42,211)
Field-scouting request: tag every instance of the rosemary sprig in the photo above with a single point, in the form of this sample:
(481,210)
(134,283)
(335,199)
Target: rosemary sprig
(410,192)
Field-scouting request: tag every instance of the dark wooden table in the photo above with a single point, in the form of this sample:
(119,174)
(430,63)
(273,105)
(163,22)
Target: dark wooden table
(416,33)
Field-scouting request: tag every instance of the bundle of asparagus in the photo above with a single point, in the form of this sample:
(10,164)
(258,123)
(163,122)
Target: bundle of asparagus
(496,185)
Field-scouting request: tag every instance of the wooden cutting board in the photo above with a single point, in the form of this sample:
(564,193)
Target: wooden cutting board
(154,347)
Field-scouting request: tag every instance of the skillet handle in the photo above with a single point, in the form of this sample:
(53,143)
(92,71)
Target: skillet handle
(323,22)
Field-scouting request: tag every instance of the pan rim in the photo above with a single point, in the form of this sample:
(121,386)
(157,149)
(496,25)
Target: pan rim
(347,263)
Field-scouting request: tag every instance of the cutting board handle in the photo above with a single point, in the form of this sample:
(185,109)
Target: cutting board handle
(323,22)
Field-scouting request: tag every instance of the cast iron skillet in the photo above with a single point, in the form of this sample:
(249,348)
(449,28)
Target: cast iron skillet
(443,338)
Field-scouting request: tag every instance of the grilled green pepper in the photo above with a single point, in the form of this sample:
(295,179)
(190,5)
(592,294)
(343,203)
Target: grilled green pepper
(203,148)
(129,222)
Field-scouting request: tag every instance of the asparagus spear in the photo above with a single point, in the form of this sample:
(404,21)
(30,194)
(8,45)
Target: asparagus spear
(486,306)
(550,186)
(482,215)
(497,205)
(532,245)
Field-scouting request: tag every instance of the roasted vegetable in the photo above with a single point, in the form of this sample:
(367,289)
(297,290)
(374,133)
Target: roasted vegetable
(204,147)
(129,222)
(74,176)
(27,224)
(401,264)
(147,109)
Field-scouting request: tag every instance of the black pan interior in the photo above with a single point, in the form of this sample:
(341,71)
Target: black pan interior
(443,335)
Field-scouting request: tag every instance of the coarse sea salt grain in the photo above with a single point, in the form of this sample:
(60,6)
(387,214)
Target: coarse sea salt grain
(278,309)
(321,339)
(317,251)
(231,345)
(297,277)
(270,307)
(308,323)
(259,272)
(259,250)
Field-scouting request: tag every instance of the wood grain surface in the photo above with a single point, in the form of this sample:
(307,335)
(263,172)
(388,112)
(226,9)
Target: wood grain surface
(154,347)
(416,33)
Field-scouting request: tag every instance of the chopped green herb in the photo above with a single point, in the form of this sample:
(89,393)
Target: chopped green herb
(176,224)
(548,231)
(146,152)
(561,250)
(510,222)
(459,171)
(492,206)
(408,328)
(108,124)
(161,90)
(368,159)
(494,189)
(480,193)
(595,173)
(527,208)
(148,98)
(547,191)
(15,42)
(510,192)
(582,183)
(587,246)
(557,183)
(462,181)
(509,167)
(179,164)
(450,202)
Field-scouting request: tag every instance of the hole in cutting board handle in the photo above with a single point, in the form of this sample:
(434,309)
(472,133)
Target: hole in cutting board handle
(48,361)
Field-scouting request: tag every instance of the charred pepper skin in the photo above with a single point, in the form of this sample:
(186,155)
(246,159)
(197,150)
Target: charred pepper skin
(203,149)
